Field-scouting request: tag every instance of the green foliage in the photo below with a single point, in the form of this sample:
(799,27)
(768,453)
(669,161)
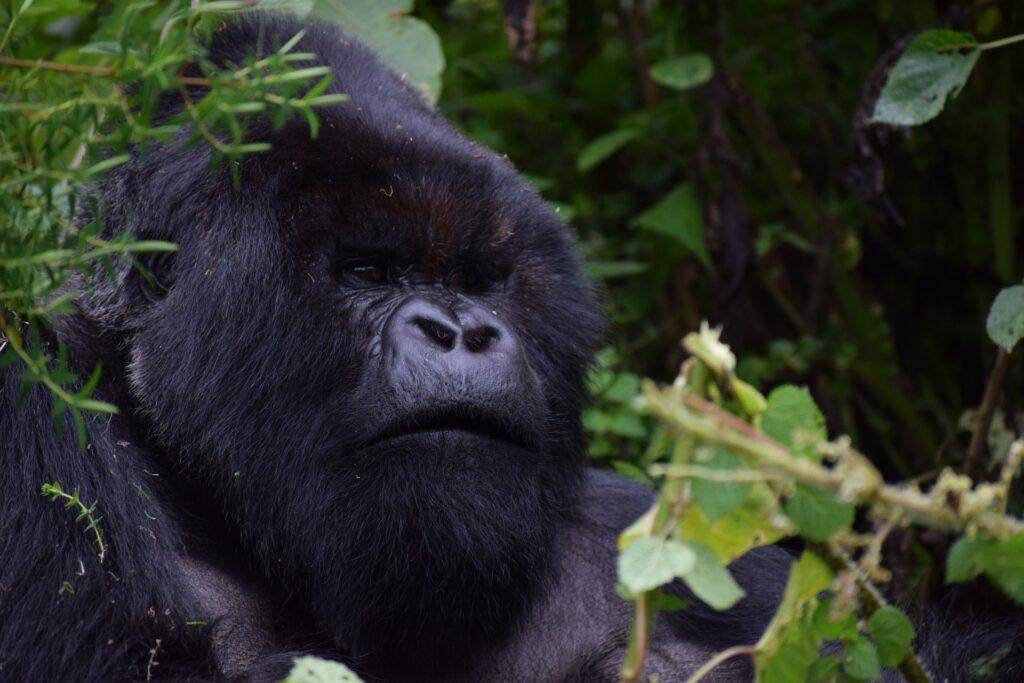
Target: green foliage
(932,69)
(603,147)
(311,669)
(796,482)
(1005,324)
(406,43)
(678,217)
(648,563)
(86,513)
(81,84)
(892,632)
(1001,560)
(683,73)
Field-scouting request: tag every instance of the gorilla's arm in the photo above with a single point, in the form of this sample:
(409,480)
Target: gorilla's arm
(580,629)
(62,609)
(64,612)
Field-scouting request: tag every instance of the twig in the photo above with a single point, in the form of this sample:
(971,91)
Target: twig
(715,661)
(82,69)
(54,492)
(988,405)
(710,423)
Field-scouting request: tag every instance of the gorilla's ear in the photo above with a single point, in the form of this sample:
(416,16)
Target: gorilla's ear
(154,274)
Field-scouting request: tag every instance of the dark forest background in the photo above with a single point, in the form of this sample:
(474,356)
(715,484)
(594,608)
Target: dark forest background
(858,259)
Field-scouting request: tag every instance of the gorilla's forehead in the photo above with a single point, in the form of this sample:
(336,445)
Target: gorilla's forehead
(371,182)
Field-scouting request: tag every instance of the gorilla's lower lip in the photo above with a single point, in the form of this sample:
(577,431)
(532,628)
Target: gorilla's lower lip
(462,420)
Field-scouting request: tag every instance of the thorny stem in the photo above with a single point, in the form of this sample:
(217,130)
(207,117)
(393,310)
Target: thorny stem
(709,423)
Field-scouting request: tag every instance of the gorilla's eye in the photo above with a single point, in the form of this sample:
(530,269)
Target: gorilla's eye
(374,271)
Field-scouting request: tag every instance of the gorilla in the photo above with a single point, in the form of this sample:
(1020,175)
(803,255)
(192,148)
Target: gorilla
(349,423)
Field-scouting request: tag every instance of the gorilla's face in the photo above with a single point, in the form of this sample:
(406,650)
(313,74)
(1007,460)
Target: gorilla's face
(370,358)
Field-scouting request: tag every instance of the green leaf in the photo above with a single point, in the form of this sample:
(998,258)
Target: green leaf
(719,498)
(1002,561)
(1005,324)
(682,73)
(626,422)
(892,632)
(750,525)
(610,270)
(932,69)
(311,669)
(965,559)
(678,216)
(791,662)
(624,389)
(631,471)
(794,420)
(817,514)
(651,562)
(711,581)
(603,147)
(807,577)
(404,42)
(860,660)
(1004,564)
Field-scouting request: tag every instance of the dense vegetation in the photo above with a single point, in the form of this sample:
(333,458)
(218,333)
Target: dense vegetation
(790,170)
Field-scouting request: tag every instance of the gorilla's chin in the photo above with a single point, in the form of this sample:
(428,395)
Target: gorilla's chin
(443,538)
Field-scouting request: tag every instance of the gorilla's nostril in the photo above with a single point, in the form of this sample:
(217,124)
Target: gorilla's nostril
(480,338)
(436,331)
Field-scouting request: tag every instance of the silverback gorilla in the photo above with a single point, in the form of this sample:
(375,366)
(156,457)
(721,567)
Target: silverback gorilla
(349,424)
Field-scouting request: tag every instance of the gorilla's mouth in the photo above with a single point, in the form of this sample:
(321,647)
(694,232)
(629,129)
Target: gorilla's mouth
(467,419)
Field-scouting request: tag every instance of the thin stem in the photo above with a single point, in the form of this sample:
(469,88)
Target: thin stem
(82,69)
(14,339)
(988,405)
(1002,42)
(722,656)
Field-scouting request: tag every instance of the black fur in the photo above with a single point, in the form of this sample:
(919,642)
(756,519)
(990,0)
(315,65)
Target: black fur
(285,477)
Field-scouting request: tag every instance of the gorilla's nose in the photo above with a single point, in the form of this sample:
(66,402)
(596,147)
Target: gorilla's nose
(424,335)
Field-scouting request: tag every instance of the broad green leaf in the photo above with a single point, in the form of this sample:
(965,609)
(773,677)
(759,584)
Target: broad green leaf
(817,514)
(678,216)
(965,559)
(719,498)
(311,669)
(807,577)
(788,646)
(404,42)
(624,389)
(932,69)
(892,632)
(1005,324)
(626,422)
(794,420)
(682,73)
(610,270)
(860,660)
(1002,561)
(651,562)
(603,147)
(1004,564)
(711,581)
(756,522)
